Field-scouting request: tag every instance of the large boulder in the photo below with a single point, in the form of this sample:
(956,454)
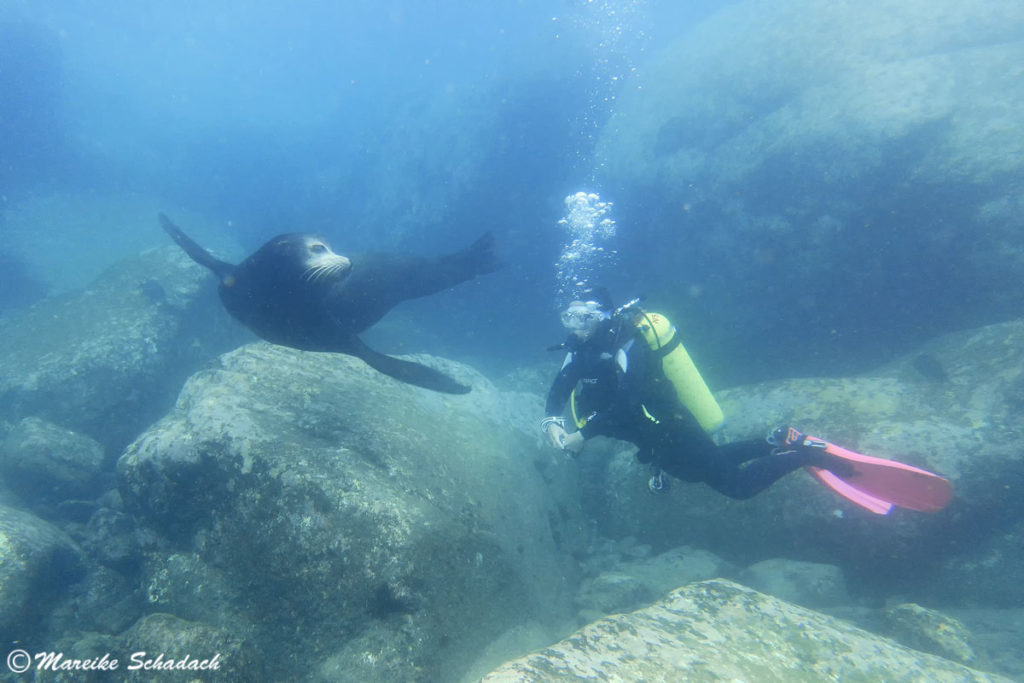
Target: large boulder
(815,168)
(953,407)
(157,644)
(46,465)
(385,527)
(855,79)
(930,631)
(987,574)
(718,630)
(108,360)
(163,645)
(37,564)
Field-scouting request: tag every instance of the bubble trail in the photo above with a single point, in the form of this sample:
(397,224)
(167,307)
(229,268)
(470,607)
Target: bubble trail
(587,251)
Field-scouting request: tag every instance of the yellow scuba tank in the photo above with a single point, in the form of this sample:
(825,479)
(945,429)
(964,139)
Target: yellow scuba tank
(691,390)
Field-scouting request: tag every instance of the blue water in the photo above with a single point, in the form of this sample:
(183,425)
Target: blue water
(337,118)
(417,126)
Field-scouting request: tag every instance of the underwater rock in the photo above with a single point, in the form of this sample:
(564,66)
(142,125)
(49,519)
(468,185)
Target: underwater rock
(84,645)
(988,572)
(37,564)
(107,361)
(104,601)
(787,141)
(930,631)
(632,584)
(826,74)
(719,630)
(46,464)
(513,643)
(930,368)
(193,589)
(381,652)
(213,654)
(802,583)
(997,638)
(109,537)
(612,592)
(349,505)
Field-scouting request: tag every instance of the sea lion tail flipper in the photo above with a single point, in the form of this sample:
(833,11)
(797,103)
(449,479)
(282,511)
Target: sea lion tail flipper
(482,254)
(405,371)
(195,252)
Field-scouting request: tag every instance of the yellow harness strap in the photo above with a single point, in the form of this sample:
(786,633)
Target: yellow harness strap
(580,422)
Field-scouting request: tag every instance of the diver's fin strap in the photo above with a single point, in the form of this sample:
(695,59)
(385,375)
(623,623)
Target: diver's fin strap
(786,439)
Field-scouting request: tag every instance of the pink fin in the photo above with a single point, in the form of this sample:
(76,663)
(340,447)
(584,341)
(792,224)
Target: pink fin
(865,500)
(887,481)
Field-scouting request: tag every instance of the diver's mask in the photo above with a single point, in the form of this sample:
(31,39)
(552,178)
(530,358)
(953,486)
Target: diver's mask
(583,317)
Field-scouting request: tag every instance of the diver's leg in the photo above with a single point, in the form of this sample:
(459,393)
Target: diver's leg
(745,478)
(739,452)
(740,469)
(748,468)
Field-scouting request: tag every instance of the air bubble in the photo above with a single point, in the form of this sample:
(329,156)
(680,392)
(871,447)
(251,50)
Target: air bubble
(584,255)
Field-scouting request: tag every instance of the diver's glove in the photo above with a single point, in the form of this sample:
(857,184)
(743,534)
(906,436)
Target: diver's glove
(554,427)
(572,442)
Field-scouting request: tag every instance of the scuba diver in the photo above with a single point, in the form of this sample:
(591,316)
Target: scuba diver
(615,385)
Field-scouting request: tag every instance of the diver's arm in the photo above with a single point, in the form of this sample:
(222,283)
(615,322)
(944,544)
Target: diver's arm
(562,386)
(553,425)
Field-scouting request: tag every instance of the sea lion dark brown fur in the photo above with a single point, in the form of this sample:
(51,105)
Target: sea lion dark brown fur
(295,291)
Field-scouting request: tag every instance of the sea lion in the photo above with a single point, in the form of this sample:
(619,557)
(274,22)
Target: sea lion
(295,291)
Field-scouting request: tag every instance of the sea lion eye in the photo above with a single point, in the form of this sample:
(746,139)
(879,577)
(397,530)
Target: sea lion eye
(318,248)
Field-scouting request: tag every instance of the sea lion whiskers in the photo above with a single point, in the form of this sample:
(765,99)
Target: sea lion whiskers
(314,273)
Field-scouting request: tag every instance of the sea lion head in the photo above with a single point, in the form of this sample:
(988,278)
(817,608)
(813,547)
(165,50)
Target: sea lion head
(311,255)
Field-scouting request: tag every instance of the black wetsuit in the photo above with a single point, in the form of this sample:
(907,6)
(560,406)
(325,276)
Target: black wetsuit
(622,392)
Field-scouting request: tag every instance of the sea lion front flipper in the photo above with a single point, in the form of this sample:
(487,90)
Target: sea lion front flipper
(204,258)
(403,370)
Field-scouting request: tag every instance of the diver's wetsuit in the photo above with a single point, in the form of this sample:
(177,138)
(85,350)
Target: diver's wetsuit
(624,394)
